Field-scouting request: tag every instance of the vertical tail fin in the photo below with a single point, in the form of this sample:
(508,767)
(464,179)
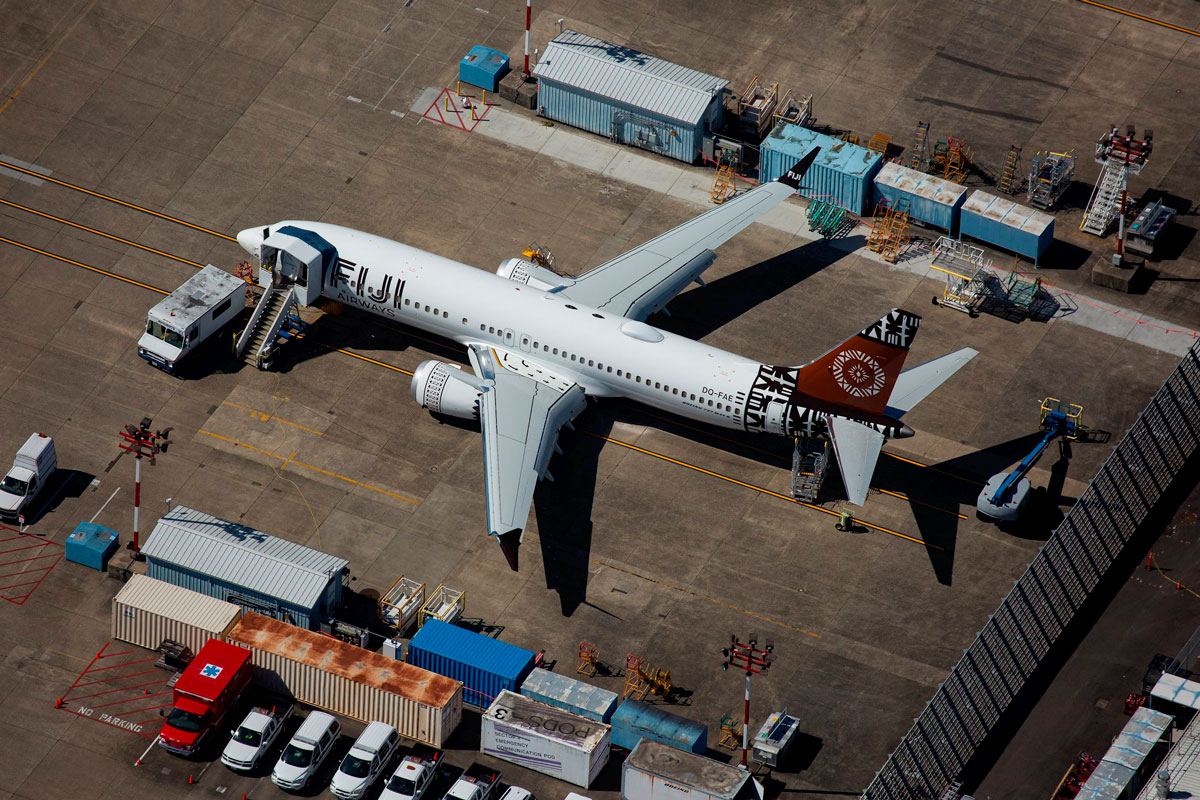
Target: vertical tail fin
(861,372)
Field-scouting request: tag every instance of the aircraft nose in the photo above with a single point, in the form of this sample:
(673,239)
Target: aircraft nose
(250,239)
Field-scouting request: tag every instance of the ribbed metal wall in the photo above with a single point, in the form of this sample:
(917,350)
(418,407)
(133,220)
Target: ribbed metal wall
(146,611)
(251,601)
(1043,602)
(623,123)
(325,690)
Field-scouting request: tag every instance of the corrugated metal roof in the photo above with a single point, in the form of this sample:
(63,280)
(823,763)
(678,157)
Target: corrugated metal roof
(344,660)
(546,721)
(1126,756)
(473,649)
(637,715)
(565,689)
(242,556)
(838,155)
(1006,212)
(1183,764)
(628,76)
(182,605)
(930,187)
(689,769)
(1177,690)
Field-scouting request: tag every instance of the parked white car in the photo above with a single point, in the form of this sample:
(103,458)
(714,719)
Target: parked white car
(303,755)
(365,762)
(254,737)
(32,468)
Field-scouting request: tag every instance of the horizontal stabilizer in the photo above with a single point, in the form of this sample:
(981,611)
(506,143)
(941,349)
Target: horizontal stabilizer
(857,449)
(915,384)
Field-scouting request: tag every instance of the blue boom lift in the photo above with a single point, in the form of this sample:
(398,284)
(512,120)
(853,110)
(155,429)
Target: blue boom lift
(1005,495)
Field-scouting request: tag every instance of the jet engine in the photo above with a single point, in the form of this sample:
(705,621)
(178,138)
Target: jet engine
(519,270)
(444,389)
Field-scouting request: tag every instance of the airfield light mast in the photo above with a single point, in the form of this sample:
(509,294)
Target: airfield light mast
(528,16)
(138,439)
(747,656)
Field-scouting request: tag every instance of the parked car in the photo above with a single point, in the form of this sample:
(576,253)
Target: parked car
(303,755)
(413,776)
(254,737)
(32,467)
(365,762)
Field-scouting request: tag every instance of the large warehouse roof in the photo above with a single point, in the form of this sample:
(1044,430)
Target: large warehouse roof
(627,76)
(241,556)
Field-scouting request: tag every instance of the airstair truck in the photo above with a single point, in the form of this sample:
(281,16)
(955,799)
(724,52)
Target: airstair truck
(183,320)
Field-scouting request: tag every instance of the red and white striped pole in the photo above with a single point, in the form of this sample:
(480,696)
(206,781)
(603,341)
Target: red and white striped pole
(137,501)
(528,17)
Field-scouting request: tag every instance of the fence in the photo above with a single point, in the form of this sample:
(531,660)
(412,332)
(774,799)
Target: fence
(1043,602)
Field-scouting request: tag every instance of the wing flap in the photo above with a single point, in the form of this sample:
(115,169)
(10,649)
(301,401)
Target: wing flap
(857,448)
(520,419)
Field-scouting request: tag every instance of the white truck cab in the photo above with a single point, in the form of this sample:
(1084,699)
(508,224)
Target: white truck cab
(254,737)
(203,305)
(32,467)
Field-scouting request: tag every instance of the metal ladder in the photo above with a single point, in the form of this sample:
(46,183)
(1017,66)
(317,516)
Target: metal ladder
(723,185)
(257,342)
(917,154)
(1106,199)
(809,462)
(1010,176)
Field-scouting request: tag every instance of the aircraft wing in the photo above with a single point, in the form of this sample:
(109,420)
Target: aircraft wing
(643,280)
(857,448)
(520,413)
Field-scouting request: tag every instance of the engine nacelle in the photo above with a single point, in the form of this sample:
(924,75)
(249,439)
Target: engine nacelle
(444,389)
(519,270)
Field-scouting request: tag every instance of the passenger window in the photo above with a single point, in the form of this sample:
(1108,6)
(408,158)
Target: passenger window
(481,327)
(491,329)
(445,315)
(407,301)
(222,307)
(619,373)
(591,363)
(556,351)
(464,320)
(572,358)
(426,306)
(609,369)
(657,385)
(674,391)
(435,311)
(693,397)
(535,345)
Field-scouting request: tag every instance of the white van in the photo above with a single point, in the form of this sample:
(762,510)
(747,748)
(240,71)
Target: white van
(304,753)
(365,761)
(32,467)
(203,305)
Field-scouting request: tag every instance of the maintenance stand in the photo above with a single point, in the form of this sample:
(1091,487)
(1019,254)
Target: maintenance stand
(1004,497)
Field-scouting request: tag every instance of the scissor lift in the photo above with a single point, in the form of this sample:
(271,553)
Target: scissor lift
(967,274)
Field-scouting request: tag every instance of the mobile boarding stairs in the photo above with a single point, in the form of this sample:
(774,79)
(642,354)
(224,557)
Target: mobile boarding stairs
(292,267)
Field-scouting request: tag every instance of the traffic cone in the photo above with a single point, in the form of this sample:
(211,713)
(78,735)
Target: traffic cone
(58,703)
(191,780)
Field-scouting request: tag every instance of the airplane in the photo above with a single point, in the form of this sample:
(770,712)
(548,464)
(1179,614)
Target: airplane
(539,344)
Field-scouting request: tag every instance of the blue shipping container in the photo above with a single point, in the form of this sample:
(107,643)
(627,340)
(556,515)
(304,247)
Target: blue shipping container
(931,199)
(91,545)
(842,171)
(483,67)
(485,666)
(570,694)
(635,721)
(1007,225)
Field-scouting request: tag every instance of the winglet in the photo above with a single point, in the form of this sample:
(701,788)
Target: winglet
(793,176)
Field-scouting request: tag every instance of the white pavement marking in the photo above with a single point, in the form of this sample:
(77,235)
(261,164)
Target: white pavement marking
(21,176)
(106,502)
(692,186)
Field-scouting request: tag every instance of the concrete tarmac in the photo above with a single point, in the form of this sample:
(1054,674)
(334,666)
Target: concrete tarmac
(656,538)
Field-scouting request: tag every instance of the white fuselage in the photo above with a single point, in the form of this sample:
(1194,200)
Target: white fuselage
(606,354)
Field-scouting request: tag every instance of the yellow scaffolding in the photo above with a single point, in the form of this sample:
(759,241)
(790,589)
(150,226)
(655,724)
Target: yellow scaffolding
(589,659)
(731,733)
(889,230)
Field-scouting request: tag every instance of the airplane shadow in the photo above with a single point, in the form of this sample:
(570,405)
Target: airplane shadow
(563,509)
(702,310)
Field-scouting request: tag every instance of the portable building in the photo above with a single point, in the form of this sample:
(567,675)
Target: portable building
(254,570)
(545,739)
(146,611)
(627,96)
(486,666)
(562,691)
(635,721)
(483,67)
(842,172)
(91,545)
(655,771)
(1007,225)
(1133,754)
(330,674)
(932,200)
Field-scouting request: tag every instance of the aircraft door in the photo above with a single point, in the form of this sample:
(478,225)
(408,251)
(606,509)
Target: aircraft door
(775,416)
(524,345)
(509,336)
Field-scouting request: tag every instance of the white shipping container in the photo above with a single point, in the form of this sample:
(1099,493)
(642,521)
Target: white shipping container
(656,771)
(326,673)
(545,739)
(146,611)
